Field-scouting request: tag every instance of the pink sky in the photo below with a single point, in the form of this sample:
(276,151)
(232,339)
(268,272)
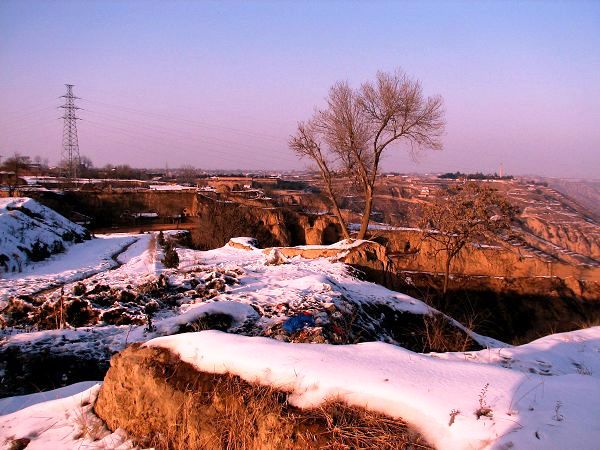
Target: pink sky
(222,85)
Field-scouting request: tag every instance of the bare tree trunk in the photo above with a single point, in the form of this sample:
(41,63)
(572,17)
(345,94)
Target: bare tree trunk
(336,210)
(364,223)
(446,276)
(61,306)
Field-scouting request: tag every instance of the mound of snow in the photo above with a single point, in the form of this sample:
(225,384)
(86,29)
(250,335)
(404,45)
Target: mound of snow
(67,421)
(455,404)
(30,231)
(9,405)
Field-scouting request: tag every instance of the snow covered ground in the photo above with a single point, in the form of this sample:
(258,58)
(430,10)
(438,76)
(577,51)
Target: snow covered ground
(30,231)
(231,289)
(66,422)
(472,400)
(283,316)
(79,261)
(463,401)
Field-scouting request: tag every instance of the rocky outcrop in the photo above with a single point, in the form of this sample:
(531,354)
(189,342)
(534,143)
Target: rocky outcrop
(165,403)
(318,229)
(220,220)
(366,256)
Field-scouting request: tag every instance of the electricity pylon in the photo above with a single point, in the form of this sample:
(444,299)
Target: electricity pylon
(70,150)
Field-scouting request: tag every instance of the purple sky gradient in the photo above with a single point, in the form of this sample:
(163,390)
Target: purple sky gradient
(222,84)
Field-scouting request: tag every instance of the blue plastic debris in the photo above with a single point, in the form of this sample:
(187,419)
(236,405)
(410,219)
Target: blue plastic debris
(296,323)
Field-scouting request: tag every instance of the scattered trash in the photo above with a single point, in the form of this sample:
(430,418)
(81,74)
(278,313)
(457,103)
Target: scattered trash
(296,323)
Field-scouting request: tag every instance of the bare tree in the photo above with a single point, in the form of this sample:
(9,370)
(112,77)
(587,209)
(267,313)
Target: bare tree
(16,163)
(461,215)
(85,167)
(187,174)
(349,136)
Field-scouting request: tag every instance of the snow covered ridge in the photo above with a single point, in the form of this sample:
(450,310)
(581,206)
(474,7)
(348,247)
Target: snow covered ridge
(30,231)
(465,401)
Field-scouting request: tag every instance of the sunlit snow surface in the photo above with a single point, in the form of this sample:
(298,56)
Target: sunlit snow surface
(64,423)
(542,395)
(77,262)
(555,411)
(26,224)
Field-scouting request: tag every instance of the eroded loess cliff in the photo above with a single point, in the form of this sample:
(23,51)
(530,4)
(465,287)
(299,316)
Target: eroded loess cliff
(567,237)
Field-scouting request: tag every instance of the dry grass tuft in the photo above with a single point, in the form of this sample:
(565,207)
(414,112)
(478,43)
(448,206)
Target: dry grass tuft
(441,336)
(249,416)
(354,428)
(89,425)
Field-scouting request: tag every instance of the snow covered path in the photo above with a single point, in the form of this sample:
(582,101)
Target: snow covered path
(78,262)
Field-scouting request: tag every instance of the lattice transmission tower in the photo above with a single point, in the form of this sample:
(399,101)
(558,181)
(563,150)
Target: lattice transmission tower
(70,150)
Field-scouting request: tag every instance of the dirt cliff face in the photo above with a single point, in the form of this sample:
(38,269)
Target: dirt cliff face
(220,220)
(409,253)
(166,403)
(320,229)
(567,236)
(109,209)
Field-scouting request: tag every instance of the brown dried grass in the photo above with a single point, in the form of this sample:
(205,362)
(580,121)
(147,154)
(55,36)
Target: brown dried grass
(250,416)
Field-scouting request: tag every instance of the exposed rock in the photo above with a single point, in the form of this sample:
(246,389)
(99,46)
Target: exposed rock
(243,243)
(367,256)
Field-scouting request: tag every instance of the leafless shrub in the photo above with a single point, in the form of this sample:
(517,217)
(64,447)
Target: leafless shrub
(441,336)
(484,409)
(453,414)
(461,215)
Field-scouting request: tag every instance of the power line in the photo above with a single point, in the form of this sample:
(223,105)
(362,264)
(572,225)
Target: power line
(188,121)
(166,133)
(224,153)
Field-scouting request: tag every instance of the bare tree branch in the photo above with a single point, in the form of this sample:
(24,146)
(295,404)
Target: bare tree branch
(359,125)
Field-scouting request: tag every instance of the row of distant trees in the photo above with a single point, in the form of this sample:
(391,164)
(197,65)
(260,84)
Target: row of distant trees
(20,165)
(26,165)
(474,176)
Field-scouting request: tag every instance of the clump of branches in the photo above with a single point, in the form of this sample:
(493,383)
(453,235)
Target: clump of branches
(348,137)
(484,409)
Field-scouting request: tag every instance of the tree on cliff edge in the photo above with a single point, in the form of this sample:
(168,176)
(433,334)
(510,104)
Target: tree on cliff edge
(348,137)
(462,215)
